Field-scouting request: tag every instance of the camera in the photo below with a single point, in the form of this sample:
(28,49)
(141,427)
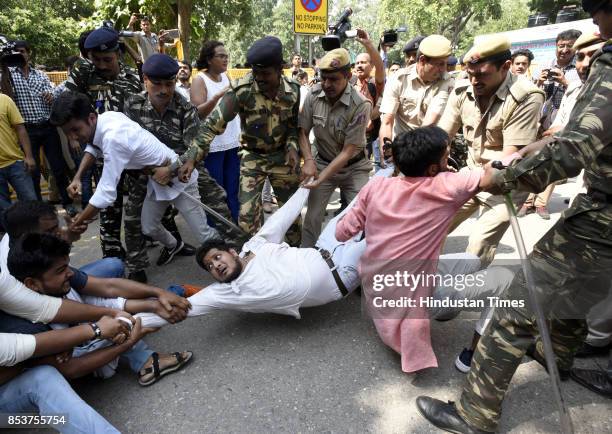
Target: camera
(111,25)
(338,32)
(9,56)
(390,37)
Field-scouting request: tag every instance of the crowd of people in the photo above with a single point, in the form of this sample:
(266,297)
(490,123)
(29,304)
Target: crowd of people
(410,148)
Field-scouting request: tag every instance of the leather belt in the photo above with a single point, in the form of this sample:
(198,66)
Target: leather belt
(357,159)
(330,263)
(599,196)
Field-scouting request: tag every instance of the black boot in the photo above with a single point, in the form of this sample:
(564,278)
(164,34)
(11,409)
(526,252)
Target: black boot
(597,381)
(444,415)
(564,374)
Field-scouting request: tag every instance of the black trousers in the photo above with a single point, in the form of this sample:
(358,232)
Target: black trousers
(44,135)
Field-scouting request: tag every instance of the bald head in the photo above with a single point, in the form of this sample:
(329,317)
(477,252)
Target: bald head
(363,66)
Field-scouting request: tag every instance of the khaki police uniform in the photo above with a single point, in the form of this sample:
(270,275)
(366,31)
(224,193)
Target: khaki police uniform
(335,125)
(511,119)
(409,98)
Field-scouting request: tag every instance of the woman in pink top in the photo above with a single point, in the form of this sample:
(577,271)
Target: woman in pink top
(406,219)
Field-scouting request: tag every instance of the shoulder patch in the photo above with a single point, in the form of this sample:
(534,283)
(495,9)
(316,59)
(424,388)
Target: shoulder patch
(247,80)
(521,89)
(461,85)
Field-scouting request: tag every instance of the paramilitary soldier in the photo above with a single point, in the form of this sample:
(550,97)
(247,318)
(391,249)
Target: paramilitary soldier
(499,114)
(108,83)
(268,105)
(175,122)
(339,115)
(571,263)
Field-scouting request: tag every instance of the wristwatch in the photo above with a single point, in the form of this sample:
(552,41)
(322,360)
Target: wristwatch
(96,329)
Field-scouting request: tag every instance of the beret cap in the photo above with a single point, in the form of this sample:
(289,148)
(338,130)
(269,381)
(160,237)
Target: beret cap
(586,39)
(267,51)
(102,39)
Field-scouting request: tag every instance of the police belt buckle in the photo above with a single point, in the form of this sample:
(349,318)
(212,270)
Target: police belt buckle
(334,269)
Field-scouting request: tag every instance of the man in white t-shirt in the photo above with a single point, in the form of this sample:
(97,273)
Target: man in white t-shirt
(125,145)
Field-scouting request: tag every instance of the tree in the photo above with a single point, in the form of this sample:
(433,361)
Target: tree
(552,7)
(446,17)
(514,16)
(196,19)
(49,28)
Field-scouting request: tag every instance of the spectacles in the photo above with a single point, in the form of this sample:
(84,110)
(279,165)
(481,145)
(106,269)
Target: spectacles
(222,56)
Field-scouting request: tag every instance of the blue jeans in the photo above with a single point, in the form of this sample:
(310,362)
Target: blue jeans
(43,389)
(224,167)
(105,268)
(21,181)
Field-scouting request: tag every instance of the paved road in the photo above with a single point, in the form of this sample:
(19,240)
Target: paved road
(327,372)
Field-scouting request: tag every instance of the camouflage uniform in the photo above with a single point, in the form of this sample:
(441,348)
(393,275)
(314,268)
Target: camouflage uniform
(269,130)
(110,95)
(178,127)
(571,263)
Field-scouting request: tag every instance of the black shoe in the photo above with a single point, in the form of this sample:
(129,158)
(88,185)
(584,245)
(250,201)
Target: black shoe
(444,416)
(597,381)
(564,374)
(166,254)
(138,276)
(188,250)
(587,350)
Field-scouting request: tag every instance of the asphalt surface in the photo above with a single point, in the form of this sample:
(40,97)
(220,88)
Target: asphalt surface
(328,372)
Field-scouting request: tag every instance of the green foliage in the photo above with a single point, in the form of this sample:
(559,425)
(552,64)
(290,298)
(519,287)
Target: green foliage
(447,17)
(52,28)
(514,16)
(552,7)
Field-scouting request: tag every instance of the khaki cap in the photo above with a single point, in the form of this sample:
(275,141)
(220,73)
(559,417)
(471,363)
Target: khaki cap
(493,48)
(435,46)
(335,60)
(587,39)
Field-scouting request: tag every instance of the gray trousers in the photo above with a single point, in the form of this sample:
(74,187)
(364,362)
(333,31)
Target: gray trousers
(194,215)
(349,180)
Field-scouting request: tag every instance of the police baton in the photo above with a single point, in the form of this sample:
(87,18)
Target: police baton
(209,210)
(565,419)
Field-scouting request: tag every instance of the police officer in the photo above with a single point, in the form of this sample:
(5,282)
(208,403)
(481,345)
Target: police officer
(499,113)
(175,122)
(108,83)
(410,50)
(268,105)
(339,115)
(571,264)
(416,95)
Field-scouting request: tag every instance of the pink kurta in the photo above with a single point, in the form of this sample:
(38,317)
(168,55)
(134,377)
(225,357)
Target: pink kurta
(407,219)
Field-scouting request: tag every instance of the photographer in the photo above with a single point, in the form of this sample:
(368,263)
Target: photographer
(554,79)
(33,94)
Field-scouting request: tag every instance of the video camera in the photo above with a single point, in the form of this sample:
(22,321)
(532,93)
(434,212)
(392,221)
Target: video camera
(111,25)
(9,56)
(390,37)
(337,33)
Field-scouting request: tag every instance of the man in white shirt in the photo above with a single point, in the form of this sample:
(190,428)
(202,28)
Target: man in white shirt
(125,145)
(270,276)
